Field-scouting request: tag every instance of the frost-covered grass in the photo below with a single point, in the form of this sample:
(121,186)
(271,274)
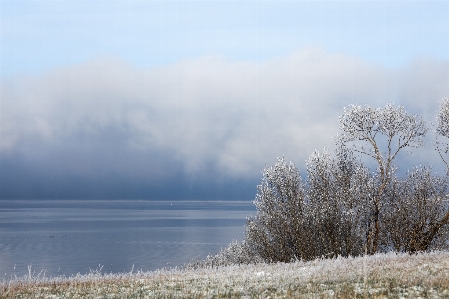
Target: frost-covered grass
(379,276)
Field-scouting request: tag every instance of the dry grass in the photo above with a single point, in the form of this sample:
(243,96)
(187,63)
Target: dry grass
(379,276)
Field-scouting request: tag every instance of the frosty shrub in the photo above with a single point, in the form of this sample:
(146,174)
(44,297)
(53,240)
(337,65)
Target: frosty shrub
(325,217)
(276,232)
(237,253)
(416,212)
(339,191)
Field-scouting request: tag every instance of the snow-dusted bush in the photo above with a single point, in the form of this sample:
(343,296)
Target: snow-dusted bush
(339,192)
(325,216)
(237,253)
(415,212)
(276,232)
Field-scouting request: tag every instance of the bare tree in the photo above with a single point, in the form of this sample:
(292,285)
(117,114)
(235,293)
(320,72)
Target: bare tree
(380,133)
(443,130)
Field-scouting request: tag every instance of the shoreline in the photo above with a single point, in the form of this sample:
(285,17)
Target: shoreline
(390,275)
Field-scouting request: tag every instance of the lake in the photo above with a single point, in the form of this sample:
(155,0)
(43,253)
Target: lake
(66,237)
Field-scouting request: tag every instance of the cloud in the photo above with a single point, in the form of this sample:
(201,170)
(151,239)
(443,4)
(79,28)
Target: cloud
(197,118)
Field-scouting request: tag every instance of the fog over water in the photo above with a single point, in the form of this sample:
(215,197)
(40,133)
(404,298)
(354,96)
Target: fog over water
(203,127)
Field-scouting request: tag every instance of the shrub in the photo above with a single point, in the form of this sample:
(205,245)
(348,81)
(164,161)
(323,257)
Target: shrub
(339,192)
(275,233)
(416,212)
(237,253)
(327,216)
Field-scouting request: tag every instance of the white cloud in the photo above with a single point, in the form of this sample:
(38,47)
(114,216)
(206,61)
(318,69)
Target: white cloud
(234,116)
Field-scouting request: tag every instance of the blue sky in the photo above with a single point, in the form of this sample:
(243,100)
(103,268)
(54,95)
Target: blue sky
(40,35)
(177,99)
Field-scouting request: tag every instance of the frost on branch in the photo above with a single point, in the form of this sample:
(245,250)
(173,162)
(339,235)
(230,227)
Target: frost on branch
(380,133)
(443,130)
(443,118)
(415,212)
(325,217)
(369,125)
(339,191)
(276,231)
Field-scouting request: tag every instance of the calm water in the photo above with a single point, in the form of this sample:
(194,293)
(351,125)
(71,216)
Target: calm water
(69,237)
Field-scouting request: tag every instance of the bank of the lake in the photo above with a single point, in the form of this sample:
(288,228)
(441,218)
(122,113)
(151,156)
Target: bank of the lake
(380,276)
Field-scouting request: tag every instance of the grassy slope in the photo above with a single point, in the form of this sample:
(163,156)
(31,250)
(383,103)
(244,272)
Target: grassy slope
(380,276)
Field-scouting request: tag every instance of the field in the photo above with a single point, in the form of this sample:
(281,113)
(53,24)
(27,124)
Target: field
(380,276)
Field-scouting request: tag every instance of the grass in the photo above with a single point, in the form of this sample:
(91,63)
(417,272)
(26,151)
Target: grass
(391,275)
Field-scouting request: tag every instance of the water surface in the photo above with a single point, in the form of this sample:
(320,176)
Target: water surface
(65,237)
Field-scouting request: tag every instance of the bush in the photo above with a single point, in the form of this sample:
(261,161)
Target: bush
(415,212)
(325,217)
(275,232)
(237,253)
(339,192)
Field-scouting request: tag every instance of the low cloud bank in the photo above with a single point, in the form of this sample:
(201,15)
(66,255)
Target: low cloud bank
(108,125)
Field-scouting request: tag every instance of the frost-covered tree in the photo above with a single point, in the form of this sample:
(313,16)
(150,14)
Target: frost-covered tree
(339,188)
(380,133)
(327,216)
(443,130)
(277,231)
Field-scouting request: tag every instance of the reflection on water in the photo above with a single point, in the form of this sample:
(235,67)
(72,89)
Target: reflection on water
(68,237)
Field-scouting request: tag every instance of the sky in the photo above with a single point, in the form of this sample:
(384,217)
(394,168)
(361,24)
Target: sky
(192,99)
